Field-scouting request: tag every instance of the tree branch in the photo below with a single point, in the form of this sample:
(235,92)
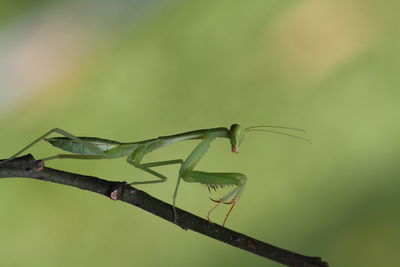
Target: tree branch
(27,167)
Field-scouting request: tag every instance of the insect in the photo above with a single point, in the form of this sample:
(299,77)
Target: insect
(99,148)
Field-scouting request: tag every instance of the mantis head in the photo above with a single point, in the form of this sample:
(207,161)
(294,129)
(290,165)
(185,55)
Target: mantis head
(236,133)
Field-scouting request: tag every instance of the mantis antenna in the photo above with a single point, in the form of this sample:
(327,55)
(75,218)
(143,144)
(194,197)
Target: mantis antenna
(273,126)
(260,129)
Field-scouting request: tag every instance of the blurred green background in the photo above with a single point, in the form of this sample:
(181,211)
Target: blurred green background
(133,70)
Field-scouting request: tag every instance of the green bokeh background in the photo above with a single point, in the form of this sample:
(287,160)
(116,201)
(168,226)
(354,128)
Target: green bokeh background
(330,67)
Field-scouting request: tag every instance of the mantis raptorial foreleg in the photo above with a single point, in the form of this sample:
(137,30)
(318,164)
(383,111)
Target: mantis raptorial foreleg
(210,179)
(189,164)
(216,180)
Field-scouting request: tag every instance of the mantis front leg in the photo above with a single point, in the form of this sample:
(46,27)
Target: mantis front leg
(210,179)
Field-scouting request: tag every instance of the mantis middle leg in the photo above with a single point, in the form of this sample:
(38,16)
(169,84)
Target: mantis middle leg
(135,159)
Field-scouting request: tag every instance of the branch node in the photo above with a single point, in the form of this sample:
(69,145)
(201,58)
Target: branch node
(117,190)
(250,244)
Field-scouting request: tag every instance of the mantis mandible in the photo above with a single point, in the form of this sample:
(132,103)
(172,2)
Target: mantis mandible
(99,148)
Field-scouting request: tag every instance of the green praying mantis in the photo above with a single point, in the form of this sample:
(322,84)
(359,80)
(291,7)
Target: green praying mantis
(99,148)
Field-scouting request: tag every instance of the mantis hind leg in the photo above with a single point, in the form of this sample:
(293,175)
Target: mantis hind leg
(89,146)
(73,156)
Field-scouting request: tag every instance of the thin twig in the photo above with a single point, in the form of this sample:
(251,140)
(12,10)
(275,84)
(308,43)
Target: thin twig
(27,167)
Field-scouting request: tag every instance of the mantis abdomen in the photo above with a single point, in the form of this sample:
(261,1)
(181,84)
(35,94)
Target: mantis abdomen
(69,145)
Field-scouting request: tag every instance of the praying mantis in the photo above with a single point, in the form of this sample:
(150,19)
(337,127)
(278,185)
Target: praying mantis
(99,148)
